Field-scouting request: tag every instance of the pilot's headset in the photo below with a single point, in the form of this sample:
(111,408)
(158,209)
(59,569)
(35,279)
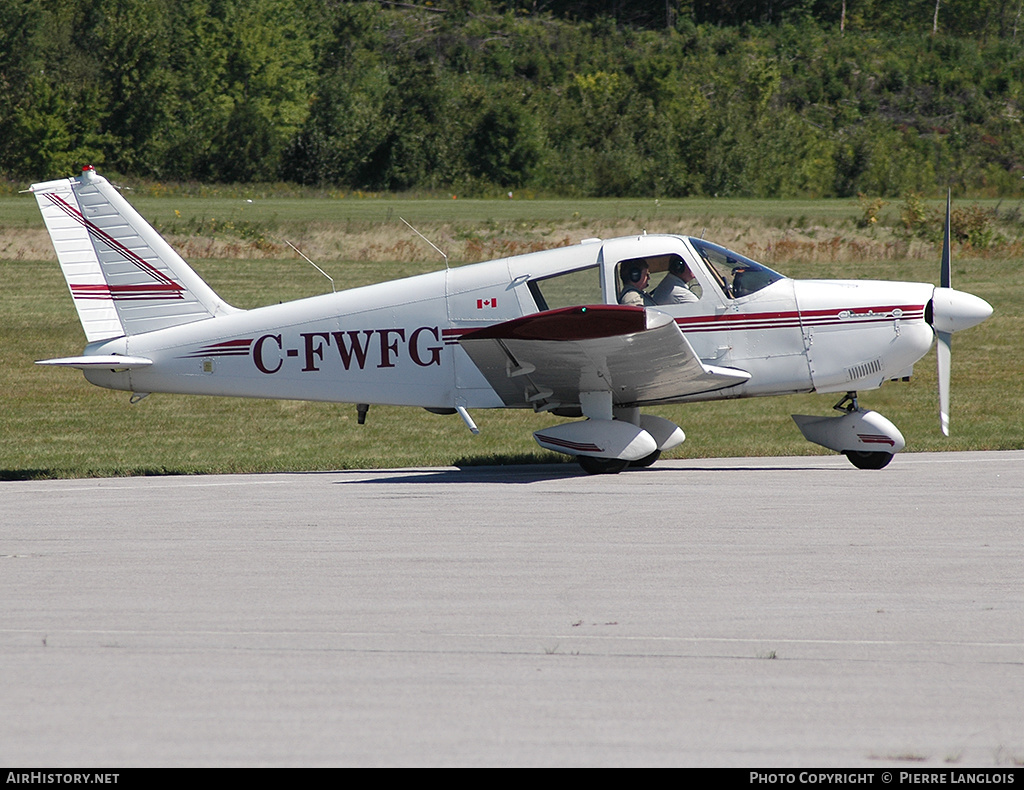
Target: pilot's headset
(632,272)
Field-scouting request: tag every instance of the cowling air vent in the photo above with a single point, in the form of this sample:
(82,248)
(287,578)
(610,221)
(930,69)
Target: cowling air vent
(864,370)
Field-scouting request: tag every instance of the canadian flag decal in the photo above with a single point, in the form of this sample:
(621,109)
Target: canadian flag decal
(482,303)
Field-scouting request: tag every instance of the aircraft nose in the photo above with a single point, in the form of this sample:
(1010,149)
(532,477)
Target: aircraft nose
(953,310)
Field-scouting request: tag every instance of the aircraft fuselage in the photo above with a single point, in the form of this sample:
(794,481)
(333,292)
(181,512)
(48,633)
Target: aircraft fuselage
(397,342)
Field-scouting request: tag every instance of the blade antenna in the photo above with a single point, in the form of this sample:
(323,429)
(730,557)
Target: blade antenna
(300,252)
(428,241)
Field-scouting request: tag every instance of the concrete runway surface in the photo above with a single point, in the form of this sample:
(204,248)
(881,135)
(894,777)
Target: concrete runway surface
(728,612)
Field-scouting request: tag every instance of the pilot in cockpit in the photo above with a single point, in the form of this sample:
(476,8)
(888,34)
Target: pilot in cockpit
(635,276)
(675,288)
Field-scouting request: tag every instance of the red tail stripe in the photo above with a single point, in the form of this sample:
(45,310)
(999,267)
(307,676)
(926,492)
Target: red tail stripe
(126,292)
(111,242)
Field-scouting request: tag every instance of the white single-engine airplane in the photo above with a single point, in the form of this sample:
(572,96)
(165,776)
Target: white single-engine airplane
(550,331)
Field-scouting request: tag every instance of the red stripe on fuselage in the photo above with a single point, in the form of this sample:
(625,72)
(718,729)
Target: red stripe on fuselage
(783,319)
(805,318)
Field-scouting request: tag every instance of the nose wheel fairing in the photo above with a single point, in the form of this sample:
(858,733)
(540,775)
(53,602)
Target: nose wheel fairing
(866,438)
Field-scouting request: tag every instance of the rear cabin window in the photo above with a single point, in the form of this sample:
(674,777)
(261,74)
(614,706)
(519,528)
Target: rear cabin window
(582,286)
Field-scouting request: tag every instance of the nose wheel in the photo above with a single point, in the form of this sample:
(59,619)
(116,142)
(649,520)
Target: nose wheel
(868,460)
(646,461)
(612,466)
(866,438)
(601,466)
(862,459)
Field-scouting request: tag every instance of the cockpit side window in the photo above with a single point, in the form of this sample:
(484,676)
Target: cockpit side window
(670,280)
(737,275)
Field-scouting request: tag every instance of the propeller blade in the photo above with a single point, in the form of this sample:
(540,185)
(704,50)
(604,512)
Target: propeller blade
(944,340)
(944,271)
(950,311)
(943,352)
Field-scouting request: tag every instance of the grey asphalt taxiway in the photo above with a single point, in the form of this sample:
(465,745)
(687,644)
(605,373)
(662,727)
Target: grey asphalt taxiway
(733,612)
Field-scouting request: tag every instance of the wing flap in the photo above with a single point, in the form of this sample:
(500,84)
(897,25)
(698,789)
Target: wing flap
(546,360)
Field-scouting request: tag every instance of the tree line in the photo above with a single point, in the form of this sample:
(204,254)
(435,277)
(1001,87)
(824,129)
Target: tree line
(761,98)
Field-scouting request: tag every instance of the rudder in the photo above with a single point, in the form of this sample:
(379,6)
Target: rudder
(124,278)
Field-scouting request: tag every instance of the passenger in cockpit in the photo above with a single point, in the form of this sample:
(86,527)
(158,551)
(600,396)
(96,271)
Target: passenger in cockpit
(675,287)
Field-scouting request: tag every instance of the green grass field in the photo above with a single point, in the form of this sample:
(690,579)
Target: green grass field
(54,424)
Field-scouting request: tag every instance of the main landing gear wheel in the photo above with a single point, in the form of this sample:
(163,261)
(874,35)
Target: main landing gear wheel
(601,466)
(866,460)
(646,461)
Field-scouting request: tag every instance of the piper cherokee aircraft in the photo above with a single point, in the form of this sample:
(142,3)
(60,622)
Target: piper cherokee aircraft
(543,331)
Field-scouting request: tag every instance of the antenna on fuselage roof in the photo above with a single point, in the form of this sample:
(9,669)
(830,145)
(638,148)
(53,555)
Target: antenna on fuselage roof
(325,274)
(703,231)
(428,241)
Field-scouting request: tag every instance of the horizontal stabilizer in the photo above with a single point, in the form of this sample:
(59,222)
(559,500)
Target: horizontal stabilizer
(98,362)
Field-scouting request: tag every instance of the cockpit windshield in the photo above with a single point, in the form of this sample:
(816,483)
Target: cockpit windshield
(736,274)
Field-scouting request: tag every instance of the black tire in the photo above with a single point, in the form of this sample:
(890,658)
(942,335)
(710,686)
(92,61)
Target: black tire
(601,466)
(646,461)
(866,460)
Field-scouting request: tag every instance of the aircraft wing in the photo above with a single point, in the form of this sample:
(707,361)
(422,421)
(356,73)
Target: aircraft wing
(547,359)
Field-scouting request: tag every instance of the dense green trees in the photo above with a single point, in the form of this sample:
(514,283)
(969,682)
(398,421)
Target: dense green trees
(673,97)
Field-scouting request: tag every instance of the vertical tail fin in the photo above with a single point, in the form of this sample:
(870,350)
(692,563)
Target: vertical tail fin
(124,278)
